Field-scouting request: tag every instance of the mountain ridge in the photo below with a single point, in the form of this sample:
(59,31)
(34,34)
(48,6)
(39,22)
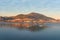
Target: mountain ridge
(32,15)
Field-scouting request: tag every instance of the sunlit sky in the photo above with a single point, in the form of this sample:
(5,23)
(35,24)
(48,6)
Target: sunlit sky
(49,8)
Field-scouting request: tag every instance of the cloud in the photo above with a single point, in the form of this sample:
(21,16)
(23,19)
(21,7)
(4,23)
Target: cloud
(25,1)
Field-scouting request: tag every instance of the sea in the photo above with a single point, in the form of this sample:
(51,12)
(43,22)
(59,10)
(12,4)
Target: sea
(51,31)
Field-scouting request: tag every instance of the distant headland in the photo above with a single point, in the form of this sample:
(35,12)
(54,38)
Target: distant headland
(29,17)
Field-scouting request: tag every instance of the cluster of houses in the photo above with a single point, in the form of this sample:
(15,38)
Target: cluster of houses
(1,18)
(26,22)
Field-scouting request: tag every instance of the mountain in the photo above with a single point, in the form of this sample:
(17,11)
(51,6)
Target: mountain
(21,16)
(35,16)
(32,15)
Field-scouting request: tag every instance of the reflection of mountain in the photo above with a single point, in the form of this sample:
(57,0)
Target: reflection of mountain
(33,28)
(30,28)
(36,28)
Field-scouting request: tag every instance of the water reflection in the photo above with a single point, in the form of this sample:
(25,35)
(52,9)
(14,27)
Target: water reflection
(23,27)
(49,32)
(36,28)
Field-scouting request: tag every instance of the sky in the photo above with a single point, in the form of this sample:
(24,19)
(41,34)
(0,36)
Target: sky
(49,8)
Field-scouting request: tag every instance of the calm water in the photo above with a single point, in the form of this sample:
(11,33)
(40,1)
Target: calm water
(51,32)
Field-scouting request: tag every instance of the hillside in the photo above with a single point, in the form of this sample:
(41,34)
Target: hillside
(34,16)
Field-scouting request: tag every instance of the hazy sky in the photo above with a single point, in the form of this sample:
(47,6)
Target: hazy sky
(49,8)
